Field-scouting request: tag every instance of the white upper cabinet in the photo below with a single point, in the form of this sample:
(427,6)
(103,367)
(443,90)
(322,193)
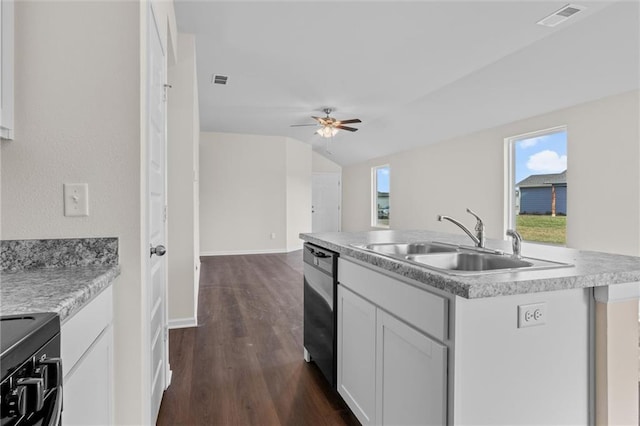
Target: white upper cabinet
(6,69)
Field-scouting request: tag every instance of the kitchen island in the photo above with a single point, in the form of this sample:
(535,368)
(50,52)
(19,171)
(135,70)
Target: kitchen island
(422,346)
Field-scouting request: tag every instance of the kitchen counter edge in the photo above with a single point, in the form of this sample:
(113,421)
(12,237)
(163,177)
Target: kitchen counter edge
(62,290)
(590,269)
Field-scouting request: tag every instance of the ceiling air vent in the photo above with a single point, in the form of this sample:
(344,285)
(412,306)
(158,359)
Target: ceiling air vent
(219,79)
(561,15)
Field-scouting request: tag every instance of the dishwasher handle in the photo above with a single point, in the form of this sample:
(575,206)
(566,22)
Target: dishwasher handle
(317,253)
(320,258)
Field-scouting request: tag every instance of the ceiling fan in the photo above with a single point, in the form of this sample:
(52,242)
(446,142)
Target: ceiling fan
(329,126)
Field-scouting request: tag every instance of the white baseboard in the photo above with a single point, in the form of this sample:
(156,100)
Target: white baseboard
(295,248)
(241,252)
(169,376)
(183,323)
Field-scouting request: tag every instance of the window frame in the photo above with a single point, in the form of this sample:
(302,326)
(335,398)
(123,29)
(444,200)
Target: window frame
(374,195)
(509,175)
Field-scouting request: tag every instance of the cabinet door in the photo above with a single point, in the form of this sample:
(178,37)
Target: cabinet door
(87,391)
(411,375)
(356,354)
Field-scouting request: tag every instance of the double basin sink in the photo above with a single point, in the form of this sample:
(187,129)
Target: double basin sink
(458,260)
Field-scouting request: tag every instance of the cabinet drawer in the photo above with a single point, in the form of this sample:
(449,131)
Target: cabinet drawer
(84,327)
(425,311)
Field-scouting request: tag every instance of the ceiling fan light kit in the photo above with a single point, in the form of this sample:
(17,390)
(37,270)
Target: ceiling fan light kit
(329,126)
(327,131)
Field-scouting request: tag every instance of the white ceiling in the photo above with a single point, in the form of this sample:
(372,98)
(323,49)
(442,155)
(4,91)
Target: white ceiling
(414,72)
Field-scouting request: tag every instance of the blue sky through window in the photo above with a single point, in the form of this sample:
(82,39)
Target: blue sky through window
(382,179)
(541,155)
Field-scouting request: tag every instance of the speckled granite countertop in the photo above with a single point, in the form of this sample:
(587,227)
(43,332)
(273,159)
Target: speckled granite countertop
(590,269)
(57,275)
(61,290)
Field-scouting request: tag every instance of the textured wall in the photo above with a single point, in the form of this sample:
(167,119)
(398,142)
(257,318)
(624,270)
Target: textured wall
(78,114)
(242,193)
(298,192)
(321,164)
(603,143)
(251,187)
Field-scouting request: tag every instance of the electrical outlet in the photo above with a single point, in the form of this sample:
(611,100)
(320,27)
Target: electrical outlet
(273,235)
(530,315)
(76,199)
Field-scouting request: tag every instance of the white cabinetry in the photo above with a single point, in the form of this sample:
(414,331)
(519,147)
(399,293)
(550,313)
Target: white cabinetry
(357,354)
(389,372)
(87,360)
(432,359)
(411,375)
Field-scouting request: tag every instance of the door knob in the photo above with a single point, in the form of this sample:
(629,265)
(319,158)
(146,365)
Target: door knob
(158,250)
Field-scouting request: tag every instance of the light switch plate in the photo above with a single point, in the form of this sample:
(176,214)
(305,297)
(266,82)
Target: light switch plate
(76,199)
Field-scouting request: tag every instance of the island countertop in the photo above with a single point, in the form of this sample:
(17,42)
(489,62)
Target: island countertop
(589,269)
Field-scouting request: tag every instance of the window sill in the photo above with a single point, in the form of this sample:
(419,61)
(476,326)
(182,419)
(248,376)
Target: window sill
(380,226)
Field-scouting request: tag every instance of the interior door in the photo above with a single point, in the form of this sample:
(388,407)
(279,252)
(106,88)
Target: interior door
(326,195)
(156,218)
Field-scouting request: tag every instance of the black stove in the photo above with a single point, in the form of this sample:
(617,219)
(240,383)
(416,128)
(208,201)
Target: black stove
(31,388)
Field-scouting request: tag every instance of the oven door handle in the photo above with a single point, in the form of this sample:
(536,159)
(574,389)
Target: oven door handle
(55,416)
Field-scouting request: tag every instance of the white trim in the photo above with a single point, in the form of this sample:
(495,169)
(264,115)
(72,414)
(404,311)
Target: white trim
(7,53)
(240,252)
(182,323)
(509,178)
(374,196)
(617,293)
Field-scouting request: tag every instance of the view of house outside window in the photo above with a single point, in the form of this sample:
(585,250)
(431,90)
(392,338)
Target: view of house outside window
(380,196)
(540,187)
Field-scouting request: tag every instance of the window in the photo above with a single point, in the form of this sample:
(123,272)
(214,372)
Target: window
(537,193)
(380,196)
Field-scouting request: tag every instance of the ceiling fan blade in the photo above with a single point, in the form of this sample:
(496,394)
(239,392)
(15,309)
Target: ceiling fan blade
(348,129)
(353,120)
(303,125)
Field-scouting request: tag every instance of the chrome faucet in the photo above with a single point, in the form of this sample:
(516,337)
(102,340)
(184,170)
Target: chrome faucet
(478,239)
(516,243)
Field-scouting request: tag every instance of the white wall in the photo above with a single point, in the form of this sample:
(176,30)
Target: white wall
(78,114)
(243,193)
(321,164)
(298,192)
(603,176)
(182,191)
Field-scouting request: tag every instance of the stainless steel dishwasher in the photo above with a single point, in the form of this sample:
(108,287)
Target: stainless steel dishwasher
(320,302)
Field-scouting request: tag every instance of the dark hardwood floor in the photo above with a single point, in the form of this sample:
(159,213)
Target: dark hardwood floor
(243,364)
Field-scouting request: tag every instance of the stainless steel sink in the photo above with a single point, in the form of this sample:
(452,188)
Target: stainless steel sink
(458,260)
(404,249)
(472,262)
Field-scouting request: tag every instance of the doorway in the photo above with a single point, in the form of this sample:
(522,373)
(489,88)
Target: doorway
(326,197)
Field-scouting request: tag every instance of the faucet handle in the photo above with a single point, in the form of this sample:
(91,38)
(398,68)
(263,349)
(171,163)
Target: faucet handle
(479,223)
(516,242)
